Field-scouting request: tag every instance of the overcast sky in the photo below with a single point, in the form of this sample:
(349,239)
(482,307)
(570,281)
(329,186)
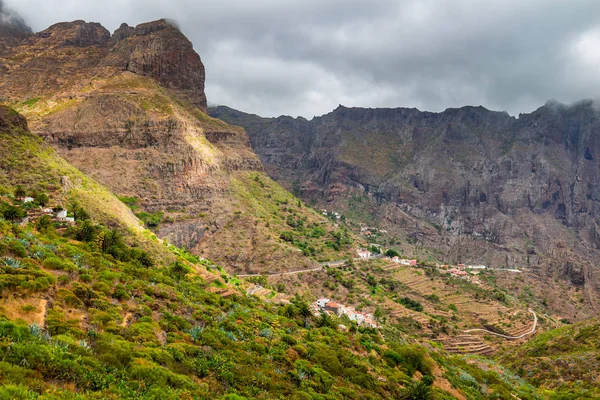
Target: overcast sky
(304,57)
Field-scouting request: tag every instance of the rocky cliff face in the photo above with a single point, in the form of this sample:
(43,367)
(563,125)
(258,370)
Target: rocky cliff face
(159,50)
(475,185)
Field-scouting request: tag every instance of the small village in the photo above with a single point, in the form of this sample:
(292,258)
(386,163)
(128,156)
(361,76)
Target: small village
(325,305)
(461,271)
(35,211)
(57,216)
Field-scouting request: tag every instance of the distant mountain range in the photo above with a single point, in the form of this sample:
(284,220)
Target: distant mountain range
(474,185)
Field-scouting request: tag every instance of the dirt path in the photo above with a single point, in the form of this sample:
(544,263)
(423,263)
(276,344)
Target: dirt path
(535,320)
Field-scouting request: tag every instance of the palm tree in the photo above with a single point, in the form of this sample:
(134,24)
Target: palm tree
(112,238)
(41,199)
(86,232)
(325,320)
(44,223)
(417,391)
(290,311)
(19,192)
(12,213)
(304,311)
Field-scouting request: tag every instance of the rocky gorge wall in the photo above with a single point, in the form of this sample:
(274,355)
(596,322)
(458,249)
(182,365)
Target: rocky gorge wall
(474,185)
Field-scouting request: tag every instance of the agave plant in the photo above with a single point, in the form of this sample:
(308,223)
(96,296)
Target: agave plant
(11,262)
(231,336)
(38,254)
(36,330)
(266,333)
(77,259)
(196,331)
(84,344)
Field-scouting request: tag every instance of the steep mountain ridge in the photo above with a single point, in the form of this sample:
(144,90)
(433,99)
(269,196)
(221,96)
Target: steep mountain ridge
(475,185)
(128,109)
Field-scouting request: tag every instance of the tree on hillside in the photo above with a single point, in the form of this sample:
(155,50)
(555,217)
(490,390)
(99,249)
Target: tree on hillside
(392,253)
(304,311)
(41,199)
(19,191)
(112,238)
(417,391)
(375,249)
(378,314)
(78,212)
(44,223)
(12,213)
(86,232)
(325,321)
(179,270)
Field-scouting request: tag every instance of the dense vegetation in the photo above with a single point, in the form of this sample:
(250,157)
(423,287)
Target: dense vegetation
(121,325)
(565,360)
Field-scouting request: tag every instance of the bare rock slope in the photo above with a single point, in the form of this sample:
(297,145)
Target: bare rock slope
(474,185)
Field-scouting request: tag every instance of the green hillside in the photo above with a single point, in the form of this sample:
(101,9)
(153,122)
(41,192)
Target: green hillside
(565,361)
(103,309)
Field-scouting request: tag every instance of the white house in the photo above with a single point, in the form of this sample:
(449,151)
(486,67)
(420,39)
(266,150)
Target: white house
(363,253)
(62,215)
(322,301)
(476,267)
(358,317)
(28,200)
(370,323)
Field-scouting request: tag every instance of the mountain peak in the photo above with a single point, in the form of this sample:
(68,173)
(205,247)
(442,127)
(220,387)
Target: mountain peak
(156,49)
(159,50)
(77,33)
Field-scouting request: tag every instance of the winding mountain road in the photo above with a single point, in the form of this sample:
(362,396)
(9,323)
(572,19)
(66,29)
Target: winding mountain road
(535,320)
(330,264)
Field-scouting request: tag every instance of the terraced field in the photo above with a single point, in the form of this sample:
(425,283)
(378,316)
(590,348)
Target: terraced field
(463,305)
(447,306)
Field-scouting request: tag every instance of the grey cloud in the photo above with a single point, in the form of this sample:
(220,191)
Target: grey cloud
(304,57)
(10,18)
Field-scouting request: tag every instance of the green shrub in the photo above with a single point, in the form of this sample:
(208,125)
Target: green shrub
(17,248)
(410,303)
(59,264)
(149,372)
(392,253)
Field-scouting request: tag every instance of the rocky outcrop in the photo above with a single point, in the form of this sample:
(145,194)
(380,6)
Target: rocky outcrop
(77,34)
(157,50)
(499,190)
(160,51)
(10,119)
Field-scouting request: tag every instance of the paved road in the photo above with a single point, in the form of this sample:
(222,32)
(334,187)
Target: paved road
(535,320)
(330,264)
